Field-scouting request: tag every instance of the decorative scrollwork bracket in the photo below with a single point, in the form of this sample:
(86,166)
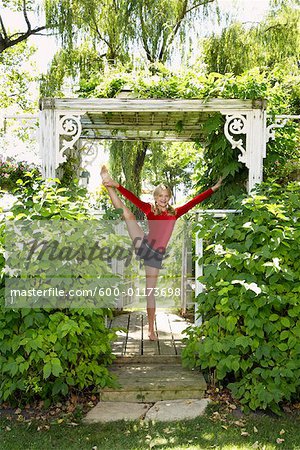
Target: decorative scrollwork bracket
(280,122)
(237,124)
(69,126)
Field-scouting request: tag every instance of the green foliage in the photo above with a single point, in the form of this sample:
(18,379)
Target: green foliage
(171,164)
(228,53)
(114,28)
(283,96)
(69,169)
(220,160)
(11,171)
(186,84)
(239,48)
(107,24)
(249,337)
(128,158)
(161,21)
(47,199)
(14,79)
(46,353)
(83,60)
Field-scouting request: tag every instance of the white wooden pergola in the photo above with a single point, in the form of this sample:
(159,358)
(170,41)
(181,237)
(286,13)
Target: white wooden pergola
(65,122)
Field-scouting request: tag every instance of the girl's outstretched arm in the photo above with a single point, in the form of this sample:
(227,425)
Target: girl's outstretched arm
(218,184)
(143,206)
(198,199)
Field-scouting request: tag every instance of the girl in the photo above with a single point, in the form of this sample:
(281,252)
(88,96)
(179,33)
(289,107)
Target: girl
(151,247)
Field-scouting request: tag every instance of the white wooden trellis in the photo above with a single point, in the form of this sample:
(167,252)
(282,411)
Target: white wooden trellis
(199,288)
(64,121)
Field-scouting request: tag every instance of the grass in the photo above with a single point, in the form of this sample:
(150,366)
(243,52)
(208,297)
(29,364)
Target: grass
(214,430)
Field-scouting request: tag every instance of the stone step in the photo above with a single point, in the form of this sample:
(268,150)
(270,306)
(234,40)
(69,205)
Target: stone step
(151,382)
(162,411)
(137,371)
(148,359)
(143,396)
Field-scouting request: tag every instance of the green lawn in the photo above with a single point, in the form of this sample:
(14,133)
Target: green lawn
(210,431)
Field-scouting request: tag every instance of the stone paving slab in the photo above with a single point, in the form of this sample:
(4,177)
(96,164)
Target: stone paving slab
(165,411)
(161,411)
(143,359)
(113,411)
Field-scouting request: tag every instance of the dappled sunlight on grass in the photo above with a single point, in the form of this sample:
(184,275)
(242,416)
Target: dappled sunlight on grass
(215,430)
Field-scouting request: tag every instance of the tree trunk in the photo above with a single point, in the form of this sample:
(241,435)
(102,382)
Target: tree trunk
(134,179)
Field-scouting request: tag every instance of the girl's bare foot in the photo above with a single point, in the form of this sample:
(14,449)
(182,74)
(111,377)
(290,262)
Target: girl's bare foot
(152,336)
(106,178)
(104,174)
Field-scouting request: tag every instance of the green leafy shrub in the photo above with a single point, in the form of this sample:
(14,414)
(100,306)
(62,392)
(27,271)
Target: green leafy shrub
(46,353)
(12,170)
(249,337)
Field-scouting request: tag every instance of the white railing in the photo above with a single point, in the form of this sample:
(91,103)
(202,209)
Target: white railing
(199,287)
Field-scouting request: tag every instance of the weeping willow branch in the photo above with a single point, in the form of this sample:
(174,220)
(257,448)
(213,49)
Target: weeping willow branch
(3,28)
(144,35)
(26,16)
(203,3)
(8,42)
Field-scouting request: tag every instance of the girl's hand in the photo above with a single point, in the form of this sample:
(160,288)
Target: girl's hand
(218,184)
(110,183)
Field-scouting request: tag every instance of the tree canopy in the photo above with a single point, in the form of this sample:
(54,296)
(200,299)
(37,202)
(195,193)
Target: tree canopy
(108,44)
(240,48)
(15,81)
(134,33)
(119,27)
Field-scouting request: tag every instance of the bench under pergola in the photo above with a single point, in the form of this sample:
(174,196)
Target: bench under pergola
(65,122)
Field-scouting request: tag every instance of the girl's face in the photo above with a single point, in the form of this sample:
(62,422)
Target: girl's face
(162,199)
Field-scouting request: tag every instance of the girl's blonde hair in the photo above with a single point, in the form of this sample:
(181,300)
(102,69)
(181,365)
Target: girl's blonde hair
(157,191)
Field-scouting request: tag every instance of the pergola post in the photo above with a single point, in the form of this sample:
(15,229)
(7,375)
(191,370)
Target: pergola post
(256,147)
(48,142)
(59,130)
(252,124)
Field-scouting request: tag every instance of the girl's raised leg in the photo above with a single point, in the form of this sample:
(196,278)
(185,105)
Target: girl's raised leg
(135,231)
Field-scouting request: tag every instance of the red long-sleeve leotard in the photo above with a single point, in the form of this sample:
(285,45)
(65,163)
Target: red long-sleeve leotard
(161,225)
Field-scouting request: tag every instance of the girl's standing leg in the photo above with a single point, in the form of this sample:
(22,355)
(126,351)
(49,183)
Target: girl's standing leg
(151,282)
